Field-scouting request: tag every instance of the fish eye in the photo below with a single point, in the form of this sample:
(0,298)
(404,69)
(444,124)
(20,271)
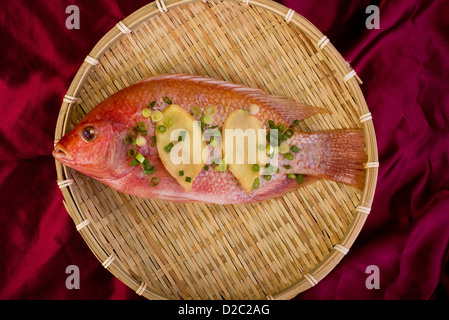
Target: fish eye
(89,134)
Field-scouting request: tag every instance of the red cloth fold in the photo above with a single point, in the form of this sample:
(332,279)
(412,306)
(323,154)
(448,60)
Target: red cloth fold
(404,68)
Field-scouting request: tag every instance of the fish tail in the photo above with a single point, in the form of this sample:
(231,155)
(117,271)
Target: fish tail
(336,155)
(343,156)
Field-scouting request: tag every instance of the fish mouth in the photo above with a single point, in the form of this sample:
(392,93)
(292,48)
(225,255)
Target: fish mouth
(61,154)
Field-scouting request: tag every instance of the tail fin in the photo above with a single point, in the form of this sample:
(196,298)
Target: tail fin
(336,155)
(344,157)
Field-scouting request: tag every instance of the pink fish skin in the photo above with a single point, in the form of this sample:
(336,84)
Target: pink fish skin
(336,155)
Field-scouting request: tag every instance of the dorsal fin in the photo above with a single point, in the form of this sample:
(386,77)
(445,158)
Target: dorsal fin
(288,109)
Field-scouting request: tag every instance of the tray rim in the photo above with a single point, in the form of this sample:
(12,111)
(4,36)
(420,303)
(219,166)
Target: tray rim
(160,7)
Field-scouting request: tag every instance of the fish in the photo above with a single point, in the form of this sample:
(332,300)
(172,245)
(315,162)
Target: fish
(97,146)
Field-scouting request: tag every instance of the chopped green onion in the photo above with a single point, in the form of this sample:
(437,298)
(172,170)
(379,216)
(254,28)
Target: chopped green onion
(168,147)
(289,133)
(156,116)
(153,141)
(270,168)
(169,122)
(296,122)
(167,100)
(262,147)
(140,158)
(128,140)
(289,156)
(161,129)
(267,177)
(151,104)
(181,173)
(246,111)
(195,111)
(206,168)
(134,132)
(207,119)
(256,183)
(215,133)
(141,141)
(288,167)
(146,113)
(256,167)
(213,142)
(271,124)
(134,162)
(291,175)
(284,147)
(210,111)
(151,170)
(188,179)
(154,181)
(144,132)
(203,126)
(300,178)
(294,149)
(222,167)
(141,126)
(132,152)
(281,127)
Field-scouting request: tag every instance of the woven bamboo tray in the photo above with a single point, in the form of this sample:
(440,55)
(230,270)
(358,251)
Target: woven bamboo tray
(269,250)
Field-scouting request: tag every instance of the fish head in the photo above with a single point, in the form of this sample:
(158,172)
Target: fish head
(89,148)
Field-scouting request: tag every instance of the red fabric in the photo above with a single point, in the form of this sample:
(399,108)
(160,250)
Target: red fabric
(404,69)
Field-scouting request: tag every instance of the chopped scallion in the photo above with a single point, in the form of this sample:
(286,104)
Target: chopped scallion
(300,178)
(161,129)
(140,158)
(188,179)
(128,140)
(167,100)
(289,133)
(141,141)
(132,152)
(210,111)
(146,113)
(267,177)
(289,156)
(271,124)
(153,141)
(151,104)
(294,149)
(154,181)
(207,119)
(256,183)
(292,176)
(134,162)
(195,111)
(169,122)
(281,127)
(181,173)
(256,167)
(134,132)
(168,147)
(141,126)
(156,116)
